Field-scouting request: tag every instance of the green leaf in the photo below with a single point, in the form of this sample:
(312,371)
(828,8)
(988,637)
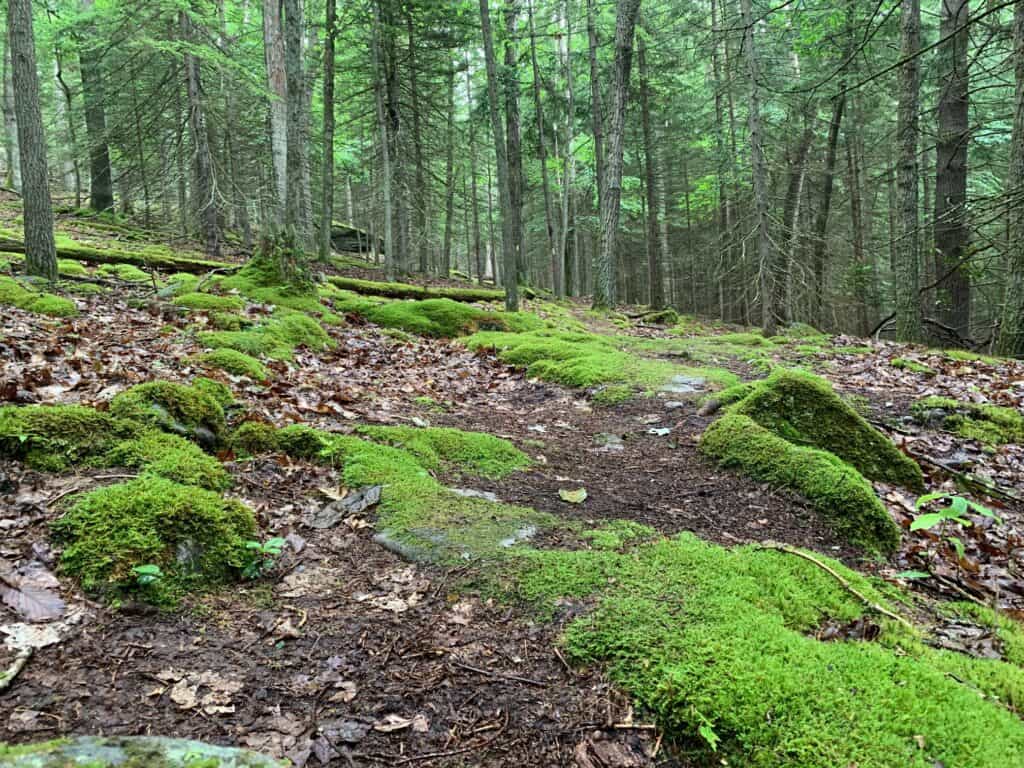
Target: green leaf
(573,497)
(913,575)
(958,546)
(929,520)
(929,497)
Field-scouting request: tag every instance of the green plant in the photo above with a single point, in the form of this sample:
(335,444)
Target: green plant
(147,575)
(955,512)
(261,556)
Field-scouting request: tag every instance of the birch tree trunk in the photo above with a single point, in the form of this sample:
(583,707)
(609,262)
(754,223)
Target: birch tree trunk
(40,250)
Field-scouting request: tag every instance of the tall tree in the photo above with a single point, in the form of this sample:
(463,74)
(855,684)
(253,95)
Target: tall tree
(501,154)
(13,179)
(40,250)
(656,295)
(951,227)
(906,251)
(759,170)
(90,62)
(449,176)
(596,107)
(293,215)
(387,170)
(605,262)
(1011,332)
(277,85)
(542,155)
(513,127)
(327,199)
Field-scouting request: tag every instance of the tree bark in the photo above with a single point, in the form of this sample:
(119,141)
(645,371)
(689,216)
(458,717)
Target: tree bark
(501,156)
(825,206)
(277,84)
(656,289)
(419,198)
(449,175)
(13,179)
(1011,332)
(513,127)
(327,197)
(549,214)
(605,261)
(293,218)
(387,172)
(906,279)
(40,249)
(204,191)
(596,108)
(951,228)
(759,168)
(475,202)
(101,188)
(72,134)
(566,247)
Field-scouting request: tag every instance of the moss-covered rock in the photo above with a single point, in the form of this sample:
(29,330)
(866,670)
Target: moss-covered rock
(253,438)
(439,318)
(14,294)
(991,424)
(129,752)
(405,291)
(69,268)
(196,537)
(836,489)
(803,409)
(234,362)
(178,408)
(906,364)
(53,438)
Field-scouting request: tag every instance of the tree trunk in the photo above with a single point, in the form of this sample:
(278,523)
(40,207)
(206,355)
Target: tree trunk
(596,108)
(605,261)
(1011,332)
(449,175)
(825,206)
(293,218)
(501,156)
(69,119)
(951,229)
(419,200)
(722,161)
(861,277)
(327,197)
(475,202)
(66,147)
(759,168)
(387,171)
(566,247)
(656,290)
(101,188)
(204,191)
(513,126)
(549,213)
(40,250)
(277,84)
(13,179)
(906,279)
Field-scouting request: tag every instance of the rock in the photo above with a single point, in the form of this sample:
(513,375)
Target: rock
(97,752)
(685,385)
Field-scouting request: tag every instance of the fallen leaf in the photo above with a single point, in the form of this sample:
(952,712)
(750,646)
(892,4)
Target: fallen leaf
(573,497)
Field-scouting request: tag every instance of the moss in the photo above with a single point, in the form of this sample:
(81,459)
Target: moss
(586,360)
(261,281)
(13,293)
(439,318)
(906,364)
(742,339)
(180,283)
(227,321)
(708,637)
(991,424)
(172,407)
(836,489)
(612,395)
(615,534)
(441,447)
(83,289)
(218,390)
(803,409)
(804,331)
(196,537)
(252,438)
(53,438)
(276,339)
(234,362)
(301,441)
(127,272)
(404,291)
(70,268)
(131,752)
(972,357)
(209,301)
(661,317)
(171,457)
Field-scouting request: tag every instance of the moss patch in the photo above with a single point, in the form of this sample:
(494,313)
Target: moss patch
(906,364)
(171,457)
(837,490)
(991,424)
(15,294)
(128,272)
(405,291)
(804,410)
(172,407)
(276,339)
(53,438)
(234,362)
(196,537)
(130,752)
(209,301)
(440,448)
(70,268)
(719,640)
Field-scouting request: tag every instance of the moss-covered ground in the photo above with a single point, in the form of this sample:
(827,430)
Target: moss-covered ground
(991,424)
(14,293)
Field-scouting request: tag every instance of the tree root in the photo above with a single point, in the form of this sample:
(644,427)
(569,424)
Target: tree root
(838,577)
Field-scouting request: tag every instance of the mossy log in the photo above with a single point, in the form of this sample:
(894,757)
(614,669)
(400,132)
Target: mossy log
(130,752)
(138,258)
(407,291)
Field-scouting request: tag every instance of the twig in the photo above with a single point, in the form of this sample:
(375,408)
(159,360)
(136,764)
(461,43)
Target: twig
(991,490)
(838,577)
(488,673)
(15,669)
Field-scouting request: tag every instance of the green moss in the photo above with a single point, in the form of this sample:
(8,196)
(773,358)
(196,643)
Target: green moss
(71,268)
(172,407)
(128,272)
(252,438)
(53,438)
(180,283)
(972,357)
(991,424)
(836,489)
(805,331)
(405,291)
(300,441)
(615,534)
(906,364)
(83,289)
(195,536)
(586,360)
(708,637)
(661,317)
(276,339)
(227,321)
(234,362)
(13,293)
(261,281)
(209,301)
(439,318)
(803,409)
(440,447)
(171,457)
(613,394)
(743,339)
(218,390)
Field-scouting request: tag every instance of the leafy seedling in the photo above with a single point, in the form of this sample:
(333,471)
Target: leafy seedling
(261,556)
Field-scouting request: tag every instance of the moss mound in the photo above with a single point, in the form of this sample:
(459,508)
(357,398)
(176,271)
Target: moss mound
(171,457)
(718,644)
(444,318)
(585,360)
(196,537)
(837,490)
(803,409)
(906,364)
(441,448)
(209,302)
(276,339)
(990,424)
(69,268)
(186,410)
(53,438)
(234,362)
(14,294)
(405,291)
(127,272)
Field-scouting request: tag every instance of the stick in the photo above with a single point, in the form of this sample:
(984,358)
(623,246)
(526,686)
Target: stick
(838,577)
(991,490)
(15,669)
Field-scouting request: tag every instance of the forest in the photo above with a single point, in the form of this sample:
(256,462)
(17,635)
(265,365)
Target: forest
(512,382)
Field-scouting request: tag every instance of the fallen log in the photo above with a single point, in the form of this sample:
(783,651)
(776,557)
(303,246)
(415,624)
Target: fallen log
(407,291)
(167,262)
